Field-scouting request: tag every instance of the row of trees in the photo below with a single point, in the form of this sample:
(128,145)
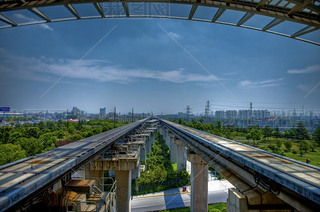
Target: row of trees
(20,141)
(255,133)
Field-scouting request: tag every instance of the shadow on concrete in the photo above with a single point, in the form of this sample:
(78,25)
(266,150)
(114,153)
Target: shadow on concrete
(172,199)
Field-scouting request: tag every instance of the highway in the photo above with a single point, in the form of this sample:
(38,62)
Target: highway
(175,198)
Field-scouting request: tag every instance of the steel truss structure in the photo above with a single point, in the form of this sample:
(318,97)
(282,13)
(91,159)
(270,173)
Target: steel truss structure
(304,13)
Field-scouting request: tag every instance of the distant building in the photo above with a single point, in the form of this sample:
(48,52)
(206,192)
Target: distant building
(103,111)
(75,111)
(231,114)
(220,114)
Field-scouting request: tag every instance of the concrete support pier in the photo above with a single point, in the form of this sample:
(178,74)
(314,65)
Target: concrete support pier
(123,164)
(143,153)
(181,155)
(255,199)
(95,175)
(173,149)
(199,183)
(123,193)
(166,137)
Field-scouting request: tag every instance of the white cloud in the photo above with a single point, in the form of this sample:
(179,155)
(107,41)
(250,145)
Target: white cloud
(29,19)
(174,35)
(41,69)
(261,84)
(304,87)
(309,69)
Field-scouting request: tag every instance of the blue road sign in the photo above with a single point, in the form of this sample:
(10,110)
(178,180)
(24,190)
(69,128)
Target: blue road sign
(5,109)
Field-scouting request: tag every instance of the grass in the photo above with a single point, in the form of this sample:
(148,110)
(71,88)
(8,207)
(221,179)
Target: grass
(313,156)
(218,207)
(174,167)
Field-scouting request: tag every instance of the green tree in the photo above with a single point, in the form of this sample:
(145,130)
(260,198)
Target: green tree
(14,136)
(32,132)
(276,133)
(4,134)
(219,126)
(32,146)
(267,131)
(10,153)
(48,140)
(288,145)
(304,147)
(316,135)
(71,129)
(75,137)
(254,134)
(60,134)
(301,132)
(279,144)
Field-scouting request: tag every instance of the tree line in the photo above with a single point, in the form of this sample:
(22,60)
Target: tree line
(20,141)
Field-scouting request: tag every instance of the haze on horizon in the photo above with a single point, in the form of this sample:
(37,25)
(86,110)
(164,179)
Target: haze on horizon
(154,65)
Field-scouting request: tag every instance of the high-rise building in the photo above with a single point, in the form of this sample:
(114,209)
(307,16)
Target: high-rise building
(103,111)
(75,111)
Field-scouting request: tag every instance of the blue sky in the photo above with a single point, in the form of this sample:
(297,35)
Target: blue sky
(154,65)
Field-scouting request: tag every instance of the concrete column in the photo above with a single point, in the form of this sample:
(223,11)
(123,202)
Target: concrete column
(199,183)
(148,145)
(236,201)
(181,155)
(135,172)
(167,138)
(151,138)
(173,150)
(95,175)
(123,192)
(143,154)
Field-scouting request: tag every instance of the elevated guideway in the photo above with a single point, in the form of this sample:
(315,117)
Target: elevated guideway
(264,178)
(26,178)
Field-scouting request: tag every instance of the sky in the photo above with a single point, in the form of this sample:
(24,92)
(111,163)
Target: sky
(154,65)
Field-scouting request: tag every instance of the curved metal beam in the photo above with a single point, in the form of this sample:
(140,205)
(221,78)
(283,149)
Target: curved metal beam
(306,12)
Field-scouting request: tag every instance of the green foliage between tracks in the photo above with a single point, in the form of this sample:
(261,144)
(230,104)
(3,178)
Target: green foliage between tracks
(159,173)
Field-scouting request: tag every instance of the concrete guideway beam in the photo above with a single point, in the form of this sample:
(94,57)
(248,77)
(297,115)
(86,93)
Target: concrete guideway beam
(246,180)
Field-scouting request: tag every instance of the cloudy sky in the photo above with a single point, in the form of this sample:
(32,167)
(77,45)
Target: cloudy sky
(154,65)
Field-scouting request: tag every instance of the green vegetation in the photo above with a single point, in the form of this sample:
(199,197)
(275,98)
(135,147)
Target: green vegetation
(20,141)
(295,143)
(218,207)
(159,173)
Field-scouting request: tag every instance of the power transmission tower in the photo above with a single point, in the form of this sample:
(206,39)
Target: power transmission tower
(132,115)
(114,117)
(207,110)
(188,112)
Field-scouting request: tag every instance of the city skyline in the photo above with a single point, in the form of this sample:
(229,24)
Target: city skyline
(155,66)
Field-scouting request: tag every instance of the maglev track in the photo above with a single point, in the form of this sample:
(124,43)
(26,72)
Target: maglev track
(301,178)
(22,178)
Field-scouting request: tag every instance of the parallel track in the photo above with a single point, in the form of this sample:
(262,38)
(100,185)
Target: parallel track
(301,178)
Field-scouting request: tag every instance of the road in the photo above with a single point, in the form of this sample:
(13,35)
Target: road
(175,198)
